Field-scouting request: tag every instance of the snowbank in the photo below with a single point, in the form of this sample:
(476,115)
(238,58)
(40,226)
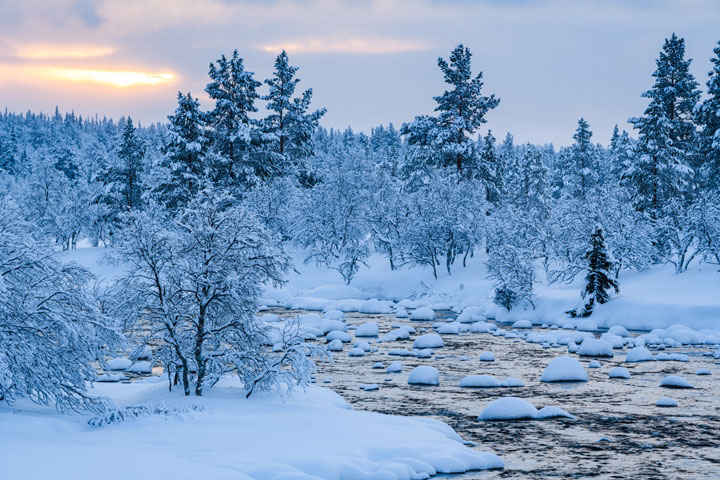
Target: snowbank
(314,434)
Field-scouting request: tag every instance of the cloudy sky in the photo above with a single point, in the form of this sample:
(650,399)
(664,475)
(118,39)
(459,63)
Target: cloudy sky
(368,61)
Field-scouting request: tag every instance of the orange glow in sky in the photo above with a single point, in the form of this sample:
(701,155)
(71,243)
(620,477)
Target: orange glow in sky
(120,79)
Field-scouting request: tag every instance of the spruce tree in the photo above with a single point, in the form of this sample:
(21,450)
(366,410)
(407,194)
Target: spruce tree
(709,121)
(185,152)
(127,176)
(661,171)
(462,109)
(234,91)
(288,130)
(581,174)
(599,280)
(491,169)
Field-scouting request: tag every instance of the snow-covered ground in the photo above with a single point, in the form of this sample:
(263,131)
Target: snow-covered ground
(655,298)
(312,434)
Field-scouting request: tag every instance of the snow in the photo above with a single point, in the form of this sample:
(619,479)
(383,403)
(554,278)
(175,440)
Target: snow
(594,364)
(593,347)
(264,437)
(335,346)
(675,381)
(344,337)
(119,363)
(424,375)
(619,330)
(375,306)
(394,367)
(327,326)
(666,402)
(703,371)
(449,328)
(334,315)
(619,372)
(111,377)
(639,354)
(363,345)
(512,382)
(513,408)
(522,324)
(356,352)
(564,369)
(367,329)
(423,313)
(587,326)
(397,334)
(480,381)
(429,340)
(487,357)
(142,366)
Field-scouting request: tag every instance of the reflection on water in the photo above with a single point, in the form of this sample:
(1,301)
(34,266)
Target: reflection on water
(619,432)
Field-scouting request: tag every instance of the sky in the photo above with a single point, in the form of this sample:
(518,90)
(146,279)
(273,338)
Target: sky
(369,62)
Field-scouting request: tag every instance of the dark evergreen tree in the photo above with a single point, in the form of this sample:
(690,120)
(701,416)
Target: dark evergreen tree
(709,122)
(491,169)
(126,177)
(448,139)
(234,91)
(581,174)
(288,130)
(661,171)
(599,280)
(185,153)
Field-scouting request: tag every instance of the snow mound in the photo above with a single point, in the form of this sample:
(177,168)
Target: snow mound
(394,367)
(429,340)
(423,313)
(370,387)
(400,352)
(666,402)
(378,365)
(397,334)
(449,328)
(362,344)
(328,326)
(512,382)
(401,313)
(480,381)
(356,352)
(594,364)
(513,408)
(675,381)
(619,330)
(487,357)
(592,347)
(141,366)
(587,326)
(619,372)
(334,315)
(424,375)
(482,327)
(639,354)
(374,306)
(119,363)
(335,346)
(564,369)
(522,324)
(367,329)
(703,371)
(344,337)
(111,377)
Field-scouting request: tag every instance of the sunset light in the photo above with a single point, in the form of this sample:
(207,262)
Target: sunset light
(120,79)
(39,52)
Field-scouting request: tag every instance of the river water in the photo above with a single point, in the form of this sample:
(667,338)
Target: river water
(618,433)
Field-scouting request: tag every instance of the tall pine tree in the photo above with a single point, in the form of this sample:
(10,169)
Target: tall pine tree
(709,121)
(288,129)
(661,171)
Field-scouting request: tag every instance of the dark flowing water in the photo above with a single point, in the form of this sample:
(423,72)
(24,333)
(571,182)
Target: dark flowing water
(619,432)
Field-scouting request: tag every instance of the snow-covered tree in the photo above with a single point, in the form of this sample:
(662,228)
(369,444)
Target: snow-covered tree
(123,178)
(449,139)
(580,175)
(599,280)
(195,282)
(708,119)
(234,91)
(661,171)
(185,153)
(50,327)
(287,132)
